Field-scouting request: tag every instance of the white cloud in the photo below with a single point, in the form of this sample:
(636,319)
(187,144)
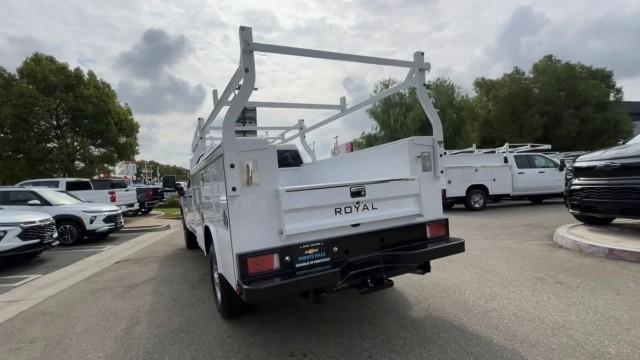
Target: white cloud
(197,49)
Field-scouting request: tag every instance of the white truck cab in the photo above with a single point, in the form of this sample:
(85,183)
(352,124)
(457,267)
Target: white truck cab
(124,198)
(274,226)
(26,233)
(477,177)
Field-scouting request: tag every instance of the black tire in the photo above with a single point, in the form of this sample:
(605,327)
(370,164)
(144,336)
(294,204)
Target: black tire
(190,240)
(536,199)
(69,232)
(228,302)
(145,210)
(476,200)
(131,213)
(594,220)
(447,205)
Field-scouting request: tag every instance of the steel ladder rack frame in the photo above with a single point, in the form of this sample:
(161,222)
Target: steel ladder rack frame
(236,96)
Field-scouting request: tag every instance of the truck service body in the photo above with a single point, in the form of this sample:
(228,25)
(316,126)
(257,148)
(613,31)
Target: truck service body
(274,226)
(476,177)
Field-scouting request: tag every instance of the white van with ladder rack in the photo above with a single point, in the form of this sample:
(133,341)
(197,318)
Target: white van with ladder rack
(274,226)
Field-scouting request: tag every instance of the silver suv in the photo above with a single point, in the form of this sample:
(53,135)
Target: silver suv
(26,233)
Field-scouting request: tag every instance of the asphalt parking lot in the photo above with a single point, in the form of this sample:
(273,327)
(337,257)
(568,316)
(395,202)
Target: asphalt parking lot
(513,294)
(15,272)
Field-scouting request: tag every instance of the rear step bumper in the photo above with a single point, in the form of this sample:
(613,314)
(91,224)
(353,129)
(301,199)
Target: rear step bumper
(353,272)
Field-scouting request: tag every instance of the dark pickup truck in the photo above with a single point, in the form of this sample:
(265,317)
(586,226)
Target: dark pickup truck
(149,197)
(604,185)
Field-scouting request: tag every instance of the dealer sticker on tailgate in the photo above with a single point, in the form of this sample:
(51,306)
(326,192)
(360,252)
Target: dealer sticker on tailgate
(311,254)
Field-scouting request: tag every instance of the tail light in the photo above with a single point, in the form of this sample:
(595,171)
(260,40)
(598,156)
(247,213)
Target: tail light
(112,196)
(438,229)
(149,193)
(263,263)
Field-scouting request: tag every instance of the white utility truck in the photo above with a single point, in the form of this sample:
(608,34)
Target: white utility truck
(474,177)
(124,198)
(273,226)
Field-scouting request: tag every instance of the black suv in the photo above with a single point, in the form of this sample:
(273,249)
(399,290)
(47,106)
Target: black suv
(605,184)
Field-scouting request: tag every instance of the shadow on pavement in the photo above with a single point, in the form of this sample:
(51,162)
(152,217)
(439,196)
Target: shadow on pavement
(382,325)
(505,205)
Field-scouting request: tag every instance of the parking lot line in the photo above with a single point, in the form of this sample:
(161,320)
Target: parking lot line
(24,297)
(84,248)
(25,279)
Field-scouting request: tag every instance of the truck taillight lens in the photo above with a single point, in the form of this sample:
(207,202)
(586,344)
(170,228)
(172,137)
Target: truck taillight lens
(149,193)
(112,196)
(437,229)
(263,263)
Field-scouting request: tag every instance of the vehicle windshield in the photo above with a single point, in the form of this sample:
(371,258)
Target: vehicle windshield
(59,197)
(635,140)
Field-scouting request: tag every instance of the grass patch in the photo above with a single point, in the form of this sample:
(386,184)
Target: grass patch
(170,213)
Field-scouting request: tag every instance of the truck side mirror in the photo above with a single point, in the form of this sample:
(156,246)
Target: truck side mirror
(563,165)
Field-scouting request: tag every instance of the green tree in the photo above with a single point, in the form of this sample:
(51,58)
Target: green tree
(401,115)
(571,106)
(181,173)
(58,121)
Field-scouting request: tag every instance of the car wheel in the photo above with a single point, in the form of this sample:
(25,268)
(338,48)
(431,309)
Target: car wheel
(594,220)
(145,211)
(69,232)
(228,302)
(476,200)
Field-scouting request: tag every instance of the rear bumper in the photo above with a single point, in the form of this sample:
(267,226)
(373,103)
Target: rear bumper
(151,204)
(413,258)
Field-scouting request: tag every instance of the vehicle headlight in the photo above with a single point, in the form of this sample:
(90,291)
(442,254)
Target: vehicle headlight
(568,174)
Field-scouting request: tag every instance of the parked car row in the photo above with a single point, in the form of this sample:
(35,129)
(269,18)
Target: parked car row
(39,213)
(74,218)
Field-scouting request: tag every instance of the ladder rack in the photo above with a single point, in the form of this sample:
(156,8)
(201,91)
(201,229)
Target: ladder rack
(235,97)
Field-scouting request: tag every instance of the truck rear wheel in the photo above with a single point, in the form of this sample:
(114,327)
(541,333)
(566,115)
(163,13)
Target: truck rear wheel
(594,220)
(228,302)
(476,200)
(190,240)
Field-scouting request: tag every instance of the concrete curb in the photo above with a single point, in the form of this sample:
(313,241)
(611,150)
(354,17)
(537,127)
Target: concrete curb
(145,228)
(563,237)
(24,297)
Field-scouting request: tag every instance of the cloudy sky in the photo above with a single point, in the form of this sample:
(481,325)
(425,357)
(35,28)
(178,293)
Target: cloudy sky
(164,58)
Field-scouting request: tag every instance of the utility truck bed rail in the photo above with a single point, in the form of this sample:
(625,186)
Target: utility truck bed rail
(273,225)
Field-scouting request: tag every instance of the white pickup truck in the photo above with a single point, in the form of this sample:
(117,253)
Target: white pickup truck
(126,199)
(273,226)
(474,179)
